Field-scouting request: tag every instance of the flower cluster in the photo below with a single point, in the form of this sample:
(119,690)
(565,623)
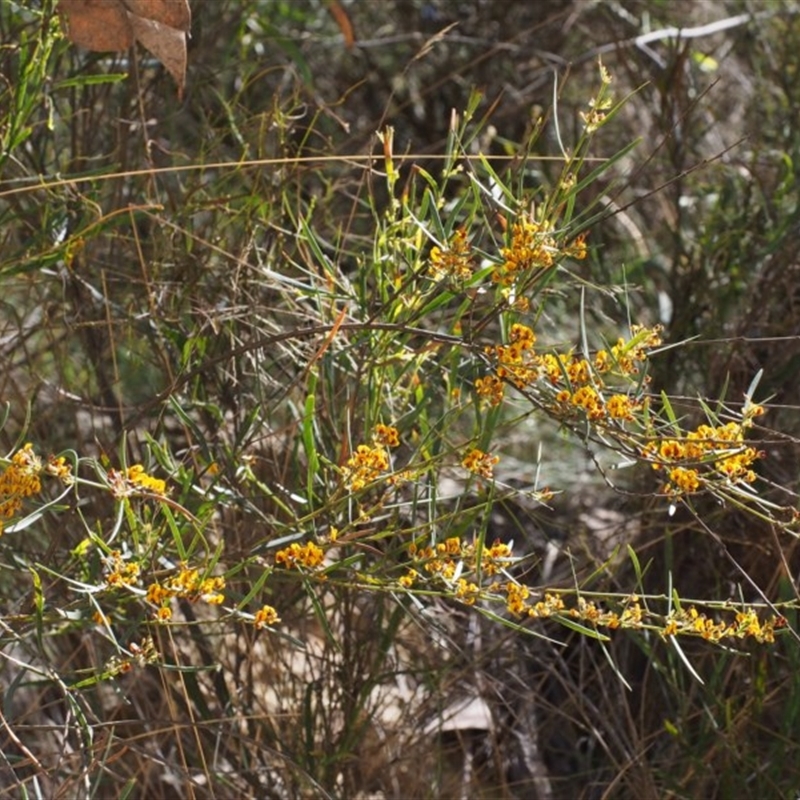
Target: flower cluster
(588,611)
(745,624)
(365,466)
(296,555)
(692,622)
(134,481)
(120,572)
(466,591)
(454,261)
(576,248)
(140,656)
(20,479)
(480,463)
(58,467)
(491,388)
(706,455)
(598,106)
(386,435)
(137,476)
(567,382)
(532,247)
(265,616)
(625,358)
(596,115)
(190,584)
(517,595)
(517,360)
(409,579)
(453,560)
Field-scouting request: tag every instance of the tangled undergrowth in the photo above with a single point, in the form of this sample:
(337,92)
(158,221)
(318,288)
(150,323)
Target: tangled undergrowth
(278,557)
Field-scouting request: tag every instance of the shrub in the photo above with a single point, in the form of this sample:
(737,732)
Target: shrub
(294,538)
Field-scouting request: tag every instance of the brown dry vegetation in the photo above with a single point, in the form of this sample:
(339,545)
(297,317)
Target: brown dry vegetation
(211,286)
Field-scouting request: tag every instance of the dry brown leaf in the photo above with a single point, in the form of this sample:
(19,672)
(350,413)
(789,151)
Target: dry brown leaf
(159,25)
(97,24)
(173,13)
(343,21)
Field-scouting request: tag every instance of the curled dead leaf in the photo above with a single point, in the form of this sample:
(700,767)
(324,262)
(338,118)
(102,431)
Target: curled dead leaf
(342,19)
(161,26)
(172,13)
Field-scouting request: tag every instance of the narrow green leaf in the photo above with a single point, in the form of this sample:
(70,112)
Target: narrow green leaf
(667,406)
(614,667)
(175,530)
(127,789)
(82,80)
(751,389)
(637,567)
(591,633)
(679,650)
(309,436)
(255,589)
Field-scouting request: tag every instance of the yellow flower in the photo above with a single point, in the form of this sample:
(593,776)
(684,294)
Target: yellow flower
(266,615)
(736,466)
(466,592)
(480,463)
(685,480)
(157,594)
(752,410)
(137,476)
(449,547)
(671,628)
(454,261)
(407,580)
(531,248)
(189,584)
(186,582)
(588,399)
(20,479)
(517,363)
(99,618)
(296,555)
(578,371)
(120,572)
(59,468)
(386,435)
(523,335)
(586,610)
(603,361)
(499,550)
(210,590)
(516,595)
(491,388)
(620,406)
(670,450)
(577,249)
(552,604)
(496,557)
(364,466)
(554,366)
(632,615)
